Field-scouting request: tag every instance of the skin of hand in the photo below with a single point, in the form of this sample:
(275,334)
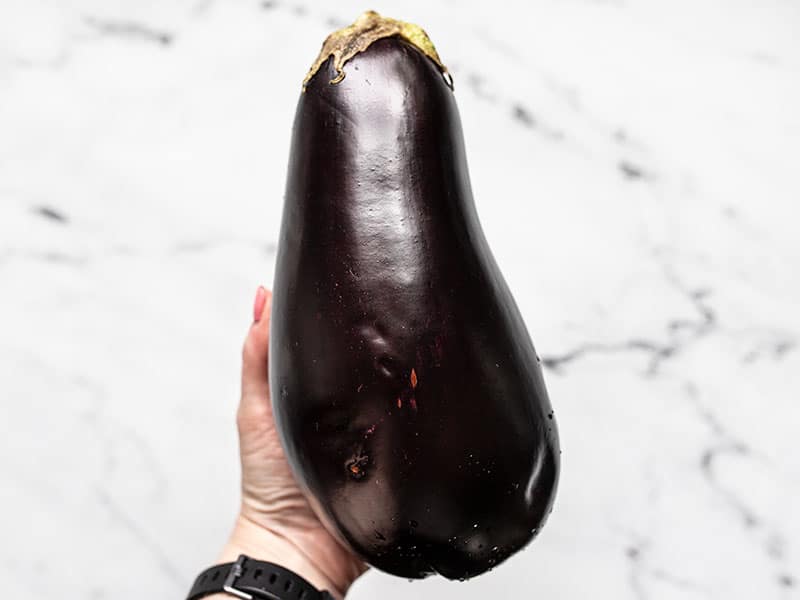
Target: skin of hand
(275,522)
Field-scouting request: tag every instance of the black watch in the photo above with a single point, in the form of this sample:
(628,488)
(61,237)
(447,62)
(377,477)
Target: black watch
(251,579)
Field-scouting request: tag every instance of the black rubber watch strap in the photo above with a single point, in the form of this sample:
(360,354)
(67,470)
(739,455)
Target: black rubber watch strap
(251,579)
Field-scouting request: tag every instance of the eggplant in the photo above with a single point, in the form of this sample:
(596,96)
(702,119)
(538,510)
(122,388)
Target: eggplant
(406,389)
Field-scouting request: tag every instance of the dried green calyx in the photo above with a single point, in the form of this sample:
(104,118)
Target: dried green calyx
(370,27)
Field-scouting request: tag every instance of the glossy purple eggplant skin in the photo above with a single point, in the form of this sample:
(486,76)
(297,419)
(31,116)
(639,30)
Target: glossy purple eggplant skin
(405,386)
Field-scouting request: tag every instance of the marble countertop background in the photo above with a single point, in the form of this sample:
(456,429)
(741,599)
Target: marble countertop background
(636,167)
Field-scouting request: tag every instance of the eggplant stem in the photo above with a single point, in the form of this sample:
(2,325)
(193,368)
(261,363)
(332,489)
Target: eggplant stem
(370,27)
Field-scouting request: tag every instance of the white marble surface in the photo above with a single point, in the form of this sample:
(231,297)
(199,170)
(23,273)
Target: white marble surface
(636,168)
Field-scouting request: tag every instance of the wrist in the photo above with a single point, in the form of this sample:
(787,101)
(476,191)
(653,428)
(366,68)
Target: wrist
(258,542)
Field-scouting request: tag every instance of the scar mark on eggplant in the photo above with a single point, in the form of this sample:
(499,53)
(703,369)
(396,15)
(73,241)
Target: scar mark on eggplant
(130,29)
(52,214)
(407,393)
(357,465)
(386,366)
(786,581)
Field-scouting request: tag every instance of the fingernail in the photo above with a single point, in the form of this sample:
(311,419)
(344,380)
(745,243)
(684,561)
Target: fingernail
(258,305)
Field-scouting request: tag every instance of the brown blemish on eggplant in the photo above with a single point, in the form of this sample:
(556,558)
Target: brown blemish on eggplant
(357,465)
(385,366)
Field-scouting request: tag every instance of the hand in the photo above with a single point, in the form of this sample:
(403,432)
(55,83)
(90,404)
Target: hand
(276,523)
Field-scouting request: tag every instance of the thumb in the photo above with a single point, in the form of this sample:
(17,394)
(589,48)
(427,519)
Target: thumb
(255,358)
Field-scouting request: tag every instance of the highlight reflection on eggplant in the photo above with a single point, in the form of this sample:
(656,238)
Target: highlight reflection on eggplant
(406,389)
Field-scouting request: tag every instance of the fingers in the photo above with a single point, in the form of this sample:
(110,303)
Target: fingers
(255,359)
